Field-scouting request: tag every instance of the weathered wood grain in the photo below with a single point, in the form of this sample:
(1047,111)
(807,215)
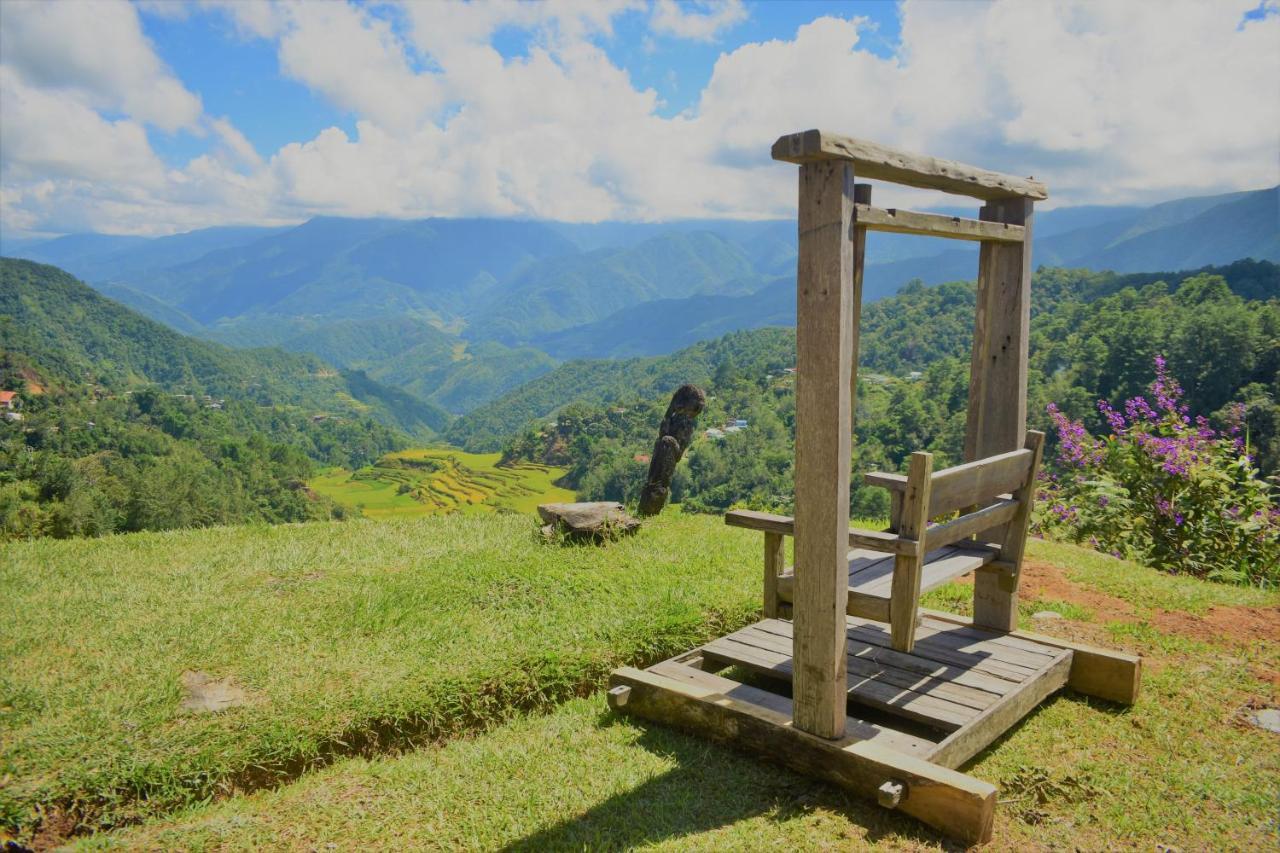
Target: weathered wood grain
(914,170)
(934,225)
(904,597)
(1104,673)
(775,561)
(998,718)
(953,803)
(824,343)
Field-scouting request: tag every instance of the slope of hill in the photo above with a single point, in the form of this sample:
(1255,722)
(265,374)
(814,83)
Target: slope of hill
(602,381)
(77,337)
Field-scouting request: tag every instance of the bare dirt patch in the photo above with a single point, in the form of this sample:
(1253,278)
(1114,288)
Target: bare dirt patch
(1236,626)
(1231,626)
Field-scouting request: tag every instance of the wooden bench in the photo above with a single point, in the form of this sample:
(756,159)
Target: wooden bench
(889,570)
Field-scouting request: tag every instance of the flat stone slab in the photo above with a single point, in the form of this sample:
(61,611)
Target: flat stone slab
(1266,718)
(209,695)
(595,520)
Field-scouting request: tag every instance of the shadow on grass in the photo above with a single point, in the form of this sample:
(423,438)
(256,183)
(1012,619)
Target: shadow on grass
(711,787)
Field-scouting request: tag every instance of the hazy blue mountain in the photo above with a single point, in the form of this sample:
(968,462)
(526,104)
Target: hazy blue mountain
(666,325)
(355,267)
(567,291)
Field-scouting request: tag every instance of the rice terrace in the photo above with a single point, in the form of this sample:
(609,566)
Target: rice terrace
(427,481)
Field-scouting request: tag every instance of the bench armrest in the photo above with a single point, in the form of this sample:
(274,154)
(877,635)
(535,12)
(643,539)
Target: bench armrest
(875,540)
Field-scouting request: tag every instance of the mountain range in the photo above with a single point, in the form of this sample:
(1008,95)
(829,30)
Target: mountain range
(459,312)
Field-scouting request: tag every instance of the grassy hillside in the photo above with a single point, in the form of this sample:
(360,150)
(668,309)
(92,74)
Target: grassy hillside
(361,639)
(415,483)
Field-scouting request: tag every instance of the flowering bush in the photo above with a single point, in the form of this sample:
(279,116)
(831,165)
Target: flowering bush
(1164,489)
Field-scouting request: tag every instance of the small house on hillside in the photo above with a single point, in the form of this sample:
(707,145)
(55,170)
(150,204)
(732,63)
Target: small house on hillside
(10,401)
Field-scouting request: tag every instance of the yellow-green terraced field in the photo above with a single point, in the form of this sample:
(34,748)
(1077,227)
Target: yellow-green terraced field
(427,481)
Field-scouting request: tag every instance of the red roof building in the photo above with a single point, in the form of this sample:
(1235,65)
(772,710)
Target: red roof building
(9,399)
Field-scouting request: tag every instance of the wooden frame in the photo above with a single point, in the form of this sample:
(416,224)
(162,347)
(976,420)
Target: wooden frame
(858,637)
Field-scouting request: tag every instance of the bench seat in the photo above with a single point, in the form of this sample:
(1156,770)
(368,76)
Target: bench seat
(871,576)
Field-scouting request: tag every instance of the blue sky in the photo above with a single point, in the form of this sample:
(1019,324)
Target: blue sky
(159,116)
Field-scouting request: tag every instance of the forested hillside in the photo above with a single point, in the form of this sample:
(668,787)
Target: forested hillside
(1094,336)
(119,424)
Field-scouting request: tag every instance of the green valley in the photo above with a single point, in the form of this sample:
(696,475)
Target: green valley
(431,481)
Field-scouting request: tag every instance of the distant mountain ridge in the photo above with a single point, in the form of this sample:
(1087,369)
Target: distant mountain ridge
(459,311)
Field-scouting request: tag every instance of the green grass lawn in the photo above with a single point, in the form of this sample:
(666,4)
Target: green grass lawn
(466,632)
(449,481)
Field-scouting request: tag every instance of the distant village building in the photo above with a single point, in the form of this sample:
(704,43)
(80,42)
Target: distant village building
(714,434)
(10,401)
(642,457)
(915,374)
(12,417)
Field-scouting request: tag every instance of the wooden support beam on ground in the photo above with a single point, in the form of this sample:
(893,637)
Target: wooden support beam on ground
(934,225)
(956,804)
(914,170)
(1102,673)
(824,345)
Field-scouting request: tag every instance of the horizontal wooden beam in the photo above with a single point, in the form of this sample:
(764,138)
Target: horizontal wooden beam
(1104,673)
(957,805)
(914,170)
(998,513)
(876,540)
(934,225)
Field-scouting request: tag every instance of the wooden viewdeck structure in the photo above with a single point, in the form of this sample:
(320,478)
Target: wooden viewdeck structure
(850,680)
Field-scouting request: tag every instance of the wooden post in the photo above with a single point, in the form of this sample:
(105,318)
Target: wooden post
(904,598)
(997,419)
(861,195)
(775,558)
(824,346)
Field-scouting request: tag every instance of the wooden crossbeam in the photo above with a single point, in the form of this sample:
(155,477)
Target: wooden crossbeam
(914,170)
(934,225)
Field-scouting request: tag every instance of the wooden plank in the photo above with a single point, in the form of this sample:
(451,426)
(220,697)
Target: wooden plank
(941,565)
(904,595)
(784,525)
(953,803)
(858,538)
(999,717)
(947,653)
(874,668)
(775,561)
(863,606)
(1103,673)
(914,170)
(965,485)
(896,221)
(855,729)
(930,710)
(971,523)
(1015,541)
(824,341)
(908,662)
(978,481)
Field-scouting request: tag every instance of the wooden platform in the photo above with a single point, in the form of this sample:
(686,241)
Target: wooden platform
(871,576)
(912,717)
